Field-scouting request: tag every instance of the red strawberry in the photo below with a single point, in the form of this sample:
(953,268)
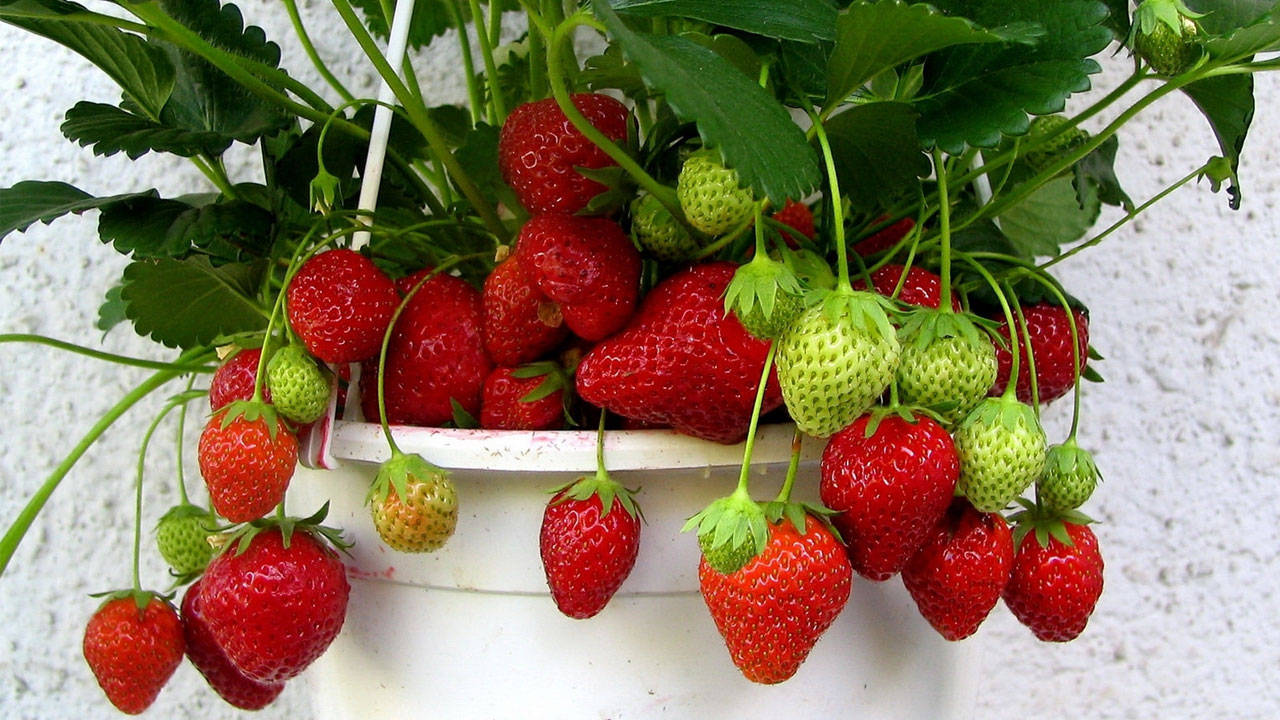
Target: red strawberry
(885,238)
(436,356)
(1055,586)
(133,651)
(586,265)
(589,541)
(339,304)
(772,611)
(921,287)
(962,569)
(539,149)
(798,216)
(521,324)
(1050,333)
(234,379)
(222,675)
(247,457)
(504,409)
(274,607)
(682,361)
(889,488)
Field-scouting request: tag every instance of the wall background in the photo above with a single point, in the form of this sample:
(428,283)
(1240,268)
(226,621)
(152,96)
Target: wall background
(1185,428)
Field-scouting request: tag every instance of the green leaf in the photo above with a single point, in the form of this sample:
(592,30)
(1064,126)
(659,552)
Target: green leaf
(431,18)
(878,156)
(1049,217)
(975,94)
(803,68)
(33,201)
(800,20)
(1118,18)
(1227,103)
(754,133)
(112,312)
(610,70)
(1245,42)
(109,130)
(187,303)
(479,154)
(873,37)
(152,227)
(1221,17)
(1099,168)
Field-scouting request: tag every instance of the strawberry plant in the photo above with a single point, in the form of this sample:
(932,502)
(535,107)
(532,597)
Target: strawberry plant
(841,215)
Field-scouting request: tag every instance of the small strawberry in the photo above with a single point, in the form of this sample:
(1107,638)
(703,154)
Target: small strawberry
(218,670)
(919,287)
(682,361)
(436,356)
(1057,575)
(299,386)
(247,456)
(710,196)
(133,644)
(521,324)
(339,304)
(586,265)
(1064,142)
(1050,332)
(659,234)
(589,542)
(234,379)
(773,610)
(275,599)
(799,217)
(182,537)
(1164,34)
(1069,479)
(414,504)
(960,572)
(947,364)
(766,296)
(1002,451)
(889,480)
(527,398)
(885,238)
(539,151)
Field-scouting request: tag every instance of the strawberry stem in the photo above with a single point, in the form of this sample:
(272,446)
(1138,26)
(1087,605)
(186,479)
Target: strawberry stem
(137,493)
(1025,334)
(497,102)
(837,206)
(944,223)
(744,475)
(793,467)
(181,436)
(179,368)
(1011,386)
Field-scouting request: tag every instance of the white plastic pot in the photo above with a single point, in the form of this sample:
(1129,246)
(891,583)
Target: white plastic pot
(471,632)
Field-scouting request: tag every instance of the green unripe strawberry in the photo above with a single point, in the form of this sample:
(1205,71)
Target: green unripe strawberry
(947,365)
(836,360)
(414,504)
(1064,142)
(709,193)
(731,530)
(182,537)
(1069,479)
(659,234)
(1001,447)
(1164,33)
(299,387)
(766,296)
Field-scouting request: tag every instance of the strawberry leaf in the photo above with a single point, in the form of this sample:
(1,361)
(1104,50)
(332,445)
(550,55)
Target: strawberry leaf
(1098,168)
(32,201)
(187,303)
(1227,103)
(878,156)
(111,313)
(110,130)
(1050,217)
(151,227)
(800,20)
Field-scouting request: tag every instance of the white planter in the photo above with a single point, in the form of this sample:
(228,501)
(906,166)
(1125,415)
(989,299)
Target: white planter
(471,632)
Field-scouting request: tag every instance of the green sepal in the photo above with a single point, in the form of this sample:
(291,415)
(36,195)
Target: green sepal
(731,531)
(1168,12)
(461,418)
(251,411)
(1043,524)
(1070,459)
(867,311)
(907,413)
(394,475)
(141,598)
(606,487)
(241,537)
(554,378)
(1006,411)
(759,282)
(925,325)
(795,512)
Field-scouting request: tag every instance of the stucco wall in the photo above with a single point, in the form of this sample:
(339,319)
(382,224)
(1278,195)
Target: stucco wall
(1185,428)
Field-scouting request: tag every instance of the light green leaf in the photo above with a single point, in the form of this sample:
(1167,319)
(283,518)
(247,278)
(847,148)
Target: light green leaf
(1227,103)
(186,303)
(801,20)
(33,201)
(109,130)
(1049,217)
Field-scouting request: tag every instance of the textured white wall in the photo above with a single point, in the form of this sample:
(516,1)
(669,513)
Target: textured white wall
(1185,428)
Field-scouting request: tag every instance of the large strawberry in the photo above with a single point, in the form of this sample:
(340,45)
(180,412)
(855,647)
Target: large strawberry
(587,266)
(207,657)
(247,456)
(710,195)
(528,398)
(414,504)
(436,356)
(772,611)
(234,379)
(1002,449)
(914,286)
(589,541)
(1051,349)
(798,217)
(539,152)
(274,600)
(682,361)
(1056,580)
(959,573)
(889,480)
(339,304)
(521,324)
(884,238)
(133,644)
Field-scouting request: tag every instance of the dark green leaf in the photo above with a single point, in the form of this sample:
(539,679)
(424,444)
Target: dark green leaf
(431,18)
(1223,16)
(1227,103)
(734,49)
(755,135)
(878,156)
(974,94)
(186,303)
(109,130)
(1098,167)
(609,70)
(31,200)
(1049,217)
(800,20)
(1247,41)
(111,313)
(479,154)
(985,237)
(1118,18)
(151,227)
(803,68)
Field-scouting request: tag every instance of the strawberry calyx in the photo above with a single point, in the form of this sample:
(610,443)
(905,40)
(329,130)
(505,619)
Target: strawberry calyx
(252,411)
(555,377)
(731,530)
(395,474)
(866,311)
(141,598)
(924,326)
(241,537)
(761,288)
(1039,522)
(1170,13)
(601,484)
(1070,476)
(906,413)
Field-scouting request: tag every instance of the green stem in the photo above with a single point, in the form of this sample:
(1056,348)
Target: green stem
(537,59)
(944,222)
(601,473)
(497,101)
(182,432)
(1009,319)
(743,476)
(1025,333)
(793,467)
(99,355)
(837,207)
(291,6)
(468,63)
(137,490)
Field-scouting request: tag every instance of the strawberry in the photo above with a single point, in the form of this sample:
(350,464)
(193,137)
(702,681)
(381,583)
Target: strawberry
(885,238)
(959,573)
(766,296)
(1002,450)
(799,217)
(773,610)
(682,361)
(709,193)
(1050,332)
(836,360)
(1056,579)
(589,541)
(920,287)
(521,324)
(234,379)
(1066,141)
(1069,479)
(273,601)
(300,388)
(182,537)
(529,398)
(247,456)
(436,356)
(587,266)
(1164,34)
(947,364)
(659,234)
(539,151)
(133,644)
(414,504)
(218,670)
(339,304)
(889,480)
